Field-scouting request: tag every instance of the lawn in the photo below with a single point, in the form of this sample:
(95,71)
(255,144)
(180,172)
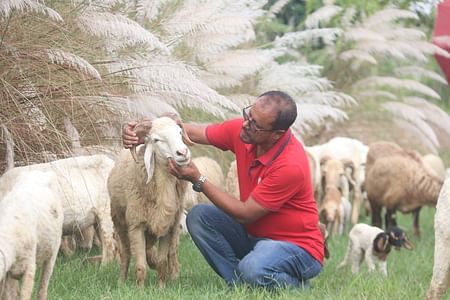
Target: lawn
(409,276)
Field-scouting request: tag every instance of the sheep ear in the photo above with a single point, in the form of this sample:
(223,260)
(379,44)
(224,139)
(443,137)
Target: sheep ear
(148,161)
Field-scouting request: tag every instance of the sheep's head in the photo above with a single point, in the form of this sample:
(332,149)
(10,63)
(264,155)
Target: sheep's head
(165,140)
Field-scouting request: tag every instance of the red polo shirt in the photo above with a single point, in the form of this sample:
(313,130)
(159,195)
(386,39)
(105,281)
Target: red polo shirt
(279,181)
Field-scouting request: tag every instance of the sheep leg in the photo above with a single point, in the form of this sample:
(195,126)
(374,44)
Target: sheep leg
(416,228)
(46,273)
(369,260)
(172,258)
(382,265)
(105,231)
(389,218)
(137,244)
(356,205)
(376,213)
(28,278)
(151,250)
(440,280)
(124,251)
(11,288)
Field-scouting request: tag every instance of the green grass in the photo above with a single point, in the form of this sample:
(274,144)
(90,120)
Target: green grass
(409,276)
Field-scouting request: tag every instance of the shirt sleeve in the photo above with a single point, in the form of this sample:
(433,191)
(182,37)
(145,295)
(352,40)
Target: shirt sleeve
(224,135)
(278,186)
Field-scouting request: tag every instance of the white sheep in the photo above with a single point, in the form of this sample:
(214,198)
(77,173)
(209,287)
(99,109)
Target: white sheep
(147,201)
(434,165)
(80,185)
(441,269)
(372,244)
(31,219)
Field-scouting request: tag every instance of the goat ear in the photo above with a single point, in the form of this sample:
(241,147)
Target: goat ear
(383,242)
(148,161)
(407,244)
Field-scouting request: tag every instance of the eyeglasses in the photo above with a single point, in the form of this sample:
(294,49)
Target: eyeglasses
(251,122)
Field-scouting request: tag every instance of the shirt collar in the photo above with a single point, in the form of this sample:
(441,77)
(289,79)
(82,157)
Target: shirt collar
(268,157)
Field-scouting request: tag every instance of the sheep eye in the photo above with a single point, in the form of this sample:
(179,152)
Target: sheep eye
(156,140)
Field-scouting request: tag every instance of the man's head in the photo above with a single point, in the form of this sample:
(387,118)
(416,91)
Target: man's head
(268,118)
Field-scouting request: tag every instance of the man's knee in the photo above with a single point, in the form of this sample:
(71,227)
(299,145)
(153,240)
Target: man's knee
(197,216)
(252,272)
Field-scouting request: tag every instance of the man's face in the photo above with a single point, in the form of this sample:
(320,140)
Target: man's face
(258,120)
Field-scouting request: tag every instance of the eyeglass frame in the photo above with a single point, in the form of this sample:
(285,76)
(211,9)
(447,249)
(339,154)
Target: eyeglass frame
(251,122)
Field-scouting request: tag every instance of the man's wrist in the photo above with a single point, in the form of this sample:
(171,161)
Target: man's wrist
(198,184)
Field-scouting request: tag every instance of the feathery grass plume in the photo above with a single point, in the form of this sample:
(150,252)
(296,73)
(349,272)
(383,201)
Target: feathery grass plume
(414,116)
(300,38)
(388,15)
(418,134)
(331,98)
(148,10)
(294,78)
(173,81)
(348,17)
(434,114)
(9,152)
(323,15)
(311,115)
(358,55)
(375,94)
(418,72)
(120,28)
(22,6)
(242,62)
(396,83)
(242,100)
(276,8)
(218,81)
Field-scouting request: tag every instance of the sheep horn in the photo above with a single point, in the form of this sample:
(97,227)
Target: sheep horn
(141,130)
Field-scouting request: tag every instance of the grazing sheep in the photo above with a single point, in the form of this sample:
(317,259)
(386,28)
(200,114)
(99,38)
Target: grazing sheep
(396,179)
(31,220)
(372,243)
(335,186)
(441,269)
(80,185)
(147,201)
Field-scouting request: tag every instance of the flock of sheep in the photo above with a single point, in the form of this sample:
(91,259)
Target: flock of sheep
(136,208)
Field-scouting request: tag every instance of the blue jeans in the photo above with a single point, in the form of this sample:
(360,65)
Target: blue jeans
(238,257)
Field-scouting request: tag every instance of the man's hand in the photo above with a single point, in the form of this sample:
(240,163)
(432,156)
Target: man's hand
(129,137)
(188,172)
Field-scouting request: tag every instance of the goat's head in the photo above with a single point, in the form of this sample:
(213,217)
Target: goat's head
(398,238)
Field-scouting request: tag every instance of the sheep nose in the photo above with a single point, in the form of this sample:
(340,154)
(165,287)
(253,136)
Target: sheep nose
(182,152)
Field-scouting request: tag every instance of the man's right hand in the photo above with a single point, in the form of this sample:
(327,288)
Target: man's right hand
(129,137)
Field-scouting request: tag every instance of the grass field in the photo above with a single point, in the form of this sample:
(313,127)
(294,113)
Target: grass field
(409,276)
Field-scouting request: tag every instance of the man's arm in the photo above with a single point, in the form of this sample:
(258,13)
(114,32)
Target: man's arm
(243,212)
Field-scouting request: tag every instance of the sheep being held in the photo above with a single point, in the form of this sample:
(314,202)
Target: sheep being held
(31,220)
(372,243)
(147,201)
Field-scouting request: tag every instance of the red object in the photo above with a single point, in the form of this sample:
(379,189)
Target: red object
(279,181)
(442,27)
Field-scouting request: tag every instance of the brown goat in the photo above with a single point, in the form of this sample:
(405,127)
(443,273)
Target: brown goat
(397,180)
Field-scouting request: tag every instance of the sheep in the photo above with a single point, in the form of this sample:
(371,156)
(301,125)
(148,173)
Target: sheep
(440,280)
(231,180)
(335,185)
(314,169)
(397,180)
(213,171)
(343,148)
(372,243)
(434,164)
(80,185)
(31,221)
(147,201)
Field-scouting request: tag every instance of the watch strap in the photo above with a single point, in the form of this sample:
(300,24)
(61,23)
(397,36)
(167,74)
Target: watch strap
(198,185)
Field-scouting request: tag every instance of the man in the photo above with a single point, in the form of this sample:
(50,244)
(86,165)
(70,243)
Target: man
(270,237)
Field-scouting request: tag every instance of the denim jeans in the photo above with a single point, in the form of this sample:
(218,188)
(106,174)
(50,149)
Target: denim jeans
(238,257)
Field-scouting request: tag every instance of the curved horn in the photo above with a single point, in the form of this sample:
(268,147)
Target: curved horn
(141,130)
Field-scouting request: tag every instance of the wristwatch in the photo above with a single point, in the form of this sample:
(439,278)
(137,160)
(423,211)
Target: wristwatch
(198,185)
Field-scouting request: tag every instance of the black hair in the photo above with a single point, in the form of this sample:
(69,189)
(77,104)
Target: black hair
(287,109)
